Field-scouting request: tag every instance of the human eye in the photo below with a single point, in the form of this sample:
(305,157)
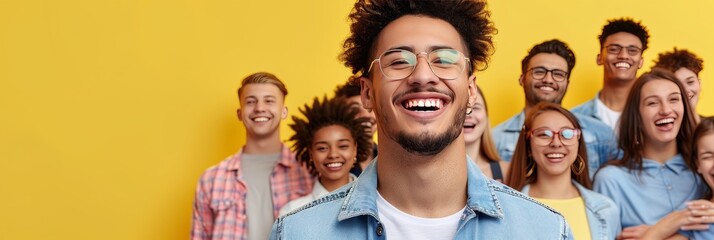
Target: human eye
(675,99)
(444,57)
(567,133)
(250,101)
(398,59)
(614,49)
(633,50)
(560,74)
(544,133)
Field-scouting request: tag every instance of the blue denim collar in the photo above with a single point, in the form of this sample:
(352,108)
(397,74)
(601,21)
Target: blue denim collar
(361,198)
(515,123)
(676,164)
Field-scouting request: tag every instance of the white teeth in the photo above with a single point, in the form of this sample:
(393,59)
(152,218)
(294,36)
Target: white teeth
(429,103)
(555,155)
(622,65)
(664,121)
(334,165)
(261,119)
(546,88)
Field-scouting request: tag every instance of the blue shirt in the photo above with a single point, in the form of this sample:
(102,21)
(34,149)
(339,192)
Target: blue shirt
(646,197)
(493,211)
(599,140)
(588,108)
(602,213)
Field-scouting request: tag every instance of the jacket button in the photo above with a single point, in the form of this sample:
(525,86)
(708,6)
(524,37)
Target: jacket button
(380,230)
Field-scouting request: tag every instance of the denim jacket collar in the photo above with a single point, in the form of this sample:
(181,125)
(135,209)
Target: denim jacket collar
(515,123)
(361,198)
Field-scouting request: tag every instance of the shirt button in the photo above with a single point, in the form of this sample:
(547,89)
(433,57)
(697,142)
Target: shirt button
(669,187)
(380,230)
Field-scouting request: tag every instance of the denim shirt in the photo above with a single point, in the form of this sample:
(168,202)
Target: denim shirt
(647,196)
(602,213)
(588,108)
(493,211)
(598,137)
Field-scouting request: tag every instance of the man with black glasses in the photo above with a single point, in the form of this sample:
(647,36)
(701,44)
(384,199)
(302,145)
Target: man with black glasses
(621,45)
(545,75)
(417,60)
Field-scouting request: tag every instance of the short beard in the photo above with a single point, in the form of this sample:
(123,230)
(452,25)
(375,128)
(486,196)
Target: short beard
(426,144)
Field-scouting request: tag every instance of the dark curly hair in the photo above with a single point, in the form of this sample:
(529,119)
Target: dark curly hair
(335,111)
(349,89)
(469,17)
(553,46)
(625,25)
(677,59)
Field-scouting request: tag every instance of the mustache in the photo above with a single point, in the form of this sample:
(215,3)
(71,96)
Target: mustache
(421,90)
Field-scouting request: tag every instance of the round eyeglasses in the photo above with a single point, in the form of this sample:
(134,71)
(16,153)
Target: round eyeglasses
(538,73)
(396,64)
(544,136)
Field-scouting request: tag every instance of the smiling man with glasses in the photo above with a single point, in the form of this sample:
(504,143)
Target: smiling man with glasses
(416,60)
(621,45)
(545,76)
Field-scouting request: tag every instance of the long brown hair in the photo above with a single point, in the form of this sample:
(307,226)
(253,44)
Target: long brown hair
(487,148)
(522,161)
(631,127)
(706,127)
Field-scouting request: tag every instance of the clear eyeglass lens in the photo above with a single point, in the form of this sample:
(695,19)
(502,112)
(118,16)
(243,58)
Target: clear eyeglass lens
(444,63)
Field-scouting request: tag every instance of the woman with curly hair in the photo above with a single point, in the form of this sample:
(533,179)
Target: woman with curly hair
(329,141)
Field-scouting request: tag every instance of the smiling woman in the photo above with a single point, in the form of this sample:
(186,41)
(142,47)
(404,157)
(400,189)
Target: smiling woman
(655,175)
(330,141)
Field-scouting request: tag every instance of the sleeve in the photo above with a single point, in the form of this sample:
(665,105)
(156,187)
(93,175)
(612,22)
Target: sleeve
(202,219)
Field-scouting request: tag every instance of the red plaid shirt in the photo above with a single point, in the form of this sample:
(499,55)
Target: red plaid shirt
(219,207)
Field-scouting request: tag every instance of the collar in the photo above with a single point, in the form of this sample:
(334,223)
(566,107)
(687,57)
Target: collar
(361,198)
(287,158)
(676,164)
(515,123)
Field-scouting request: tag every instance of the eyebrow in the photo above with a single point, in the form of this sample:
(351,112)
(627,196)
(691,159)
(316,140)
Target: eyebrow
(431,48)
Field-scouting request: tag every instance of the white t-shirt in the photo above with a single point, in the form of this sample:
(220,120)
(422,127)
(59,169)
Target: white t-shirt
(400,225)
(607,115)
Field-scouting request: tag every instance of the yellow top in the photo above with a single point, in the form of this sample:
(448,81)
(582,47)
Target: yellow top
(574,211)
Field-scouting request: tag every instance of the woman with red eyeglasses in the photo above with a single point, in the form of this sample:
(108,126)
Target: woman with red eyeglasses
(550,164)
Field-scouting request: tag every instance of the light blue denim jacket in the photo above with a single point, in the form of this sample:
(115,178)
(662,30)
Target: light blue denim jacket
(602,213)
(598,137)
(588,108)
(494,211)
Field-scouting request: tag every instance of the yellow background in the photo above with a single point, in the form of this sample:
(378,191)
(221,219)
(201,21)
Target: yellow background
(110,110)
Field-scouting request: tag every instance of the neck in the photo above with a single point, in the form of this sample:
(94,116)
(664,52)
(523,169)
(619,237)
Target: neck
(423,186)
(660,152)
(332,185)
(614,94)
(263,145)
(553,187)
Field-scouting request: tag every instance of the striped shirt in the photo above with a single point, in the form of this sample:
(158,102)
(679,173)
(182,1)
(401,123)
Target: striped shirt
(219,207)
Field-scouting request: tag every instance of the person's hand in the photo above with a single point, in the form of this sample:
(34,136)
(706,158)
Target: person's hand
(633,233)
(700,215)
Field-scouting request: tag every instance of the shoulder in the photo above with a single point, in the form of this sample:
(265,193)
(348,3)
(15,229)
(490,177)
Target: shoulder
(610,172)
(585,108)
(511,198)
(221,169)
(301,222)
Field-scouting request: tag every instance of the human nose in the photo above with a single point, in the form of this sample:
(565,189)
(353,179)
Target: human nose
(554,143)
(665,108)
(422,73)
(623,53)
(259,107)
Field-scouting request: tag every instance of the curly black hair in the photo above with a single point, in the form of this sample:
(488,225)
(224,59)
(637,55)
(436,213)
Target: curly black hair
(677,59)
(625,25)
(469,17)
(335,111)
(349,89)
